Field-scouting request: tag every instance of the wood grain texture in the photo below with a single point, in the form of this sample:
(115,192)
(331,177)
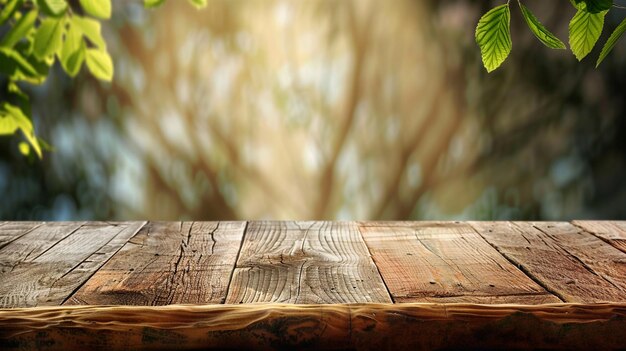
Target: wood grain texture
(613,232)
(599,257)
(316,327)
(47,273)
(167,263)
(305,262)
(10,231)
(447,262)
(572,264)
(35,242)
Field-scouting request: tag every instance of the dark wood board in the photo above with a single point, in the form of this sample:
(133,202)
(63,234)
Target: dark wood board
(316,327)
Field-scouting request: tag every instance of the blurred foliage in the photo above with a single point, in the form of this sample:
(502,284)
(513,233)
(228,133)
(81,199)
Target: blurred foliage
(37,34)
(323,109)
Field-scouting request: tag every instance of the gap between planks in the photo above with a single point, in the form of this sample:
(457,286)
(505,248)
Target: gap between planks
(611,232)
(43,266)
(608,271)
(166,263)
(117,245)
(446,262)
(574,264)
(523,269)
(16,230)
(232,272)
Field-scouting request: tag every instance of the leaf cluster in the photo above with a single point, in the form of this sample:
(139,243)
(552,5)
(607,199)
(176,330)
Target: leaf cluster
(40,33)
(493,32)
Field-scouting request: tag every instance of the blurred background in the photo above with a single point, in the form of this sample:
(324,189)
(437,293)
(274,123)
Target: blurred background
(326,109)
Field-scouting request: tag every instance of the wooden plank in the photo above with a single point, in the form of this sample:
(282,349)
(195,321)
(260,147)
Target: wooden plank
(316,327)
(10,231)
(50,276)
(96,260)
(447,262)
(613,232)
(305,262)
(599,257)
(32,244)
(572,264)
(168,263)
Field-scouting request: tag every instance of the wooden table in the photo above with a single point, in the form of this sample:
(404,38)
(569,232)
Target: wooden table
(312,285)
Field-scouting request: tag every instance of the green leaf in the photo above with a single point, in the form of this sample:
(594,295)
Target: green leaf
(9,9)
(97,8)
(53,8)
(493,35)
(73,51)
(9,124)
(541,32)
(595,6)
(584,30)
(19,31)
(150,4)
(199,3)
(15,89)
(91,29)
(12,118)
(19,98)
(24,148)
(610,43)
(12,62)
(49,37)
(100,64)
(20,68)
(42,67)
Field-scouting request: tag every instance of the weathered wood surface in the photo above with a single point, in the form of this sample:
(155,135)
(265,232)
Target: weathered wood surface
(34,242)
(307,265)
(167,263)
(316,327)
(45,265)
(10,231)
(305,262)
(613,232)
(571,263)
(600,259)
(310,262)
(447,262)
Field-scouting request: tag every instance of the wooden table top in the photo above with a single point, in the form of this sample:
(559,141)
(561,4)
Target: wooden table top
(163,263)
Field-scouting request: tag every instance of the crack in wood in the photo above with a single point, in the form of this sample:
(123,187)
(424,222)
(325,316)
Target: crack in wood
(311,262)
(213,241)
(306,233)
